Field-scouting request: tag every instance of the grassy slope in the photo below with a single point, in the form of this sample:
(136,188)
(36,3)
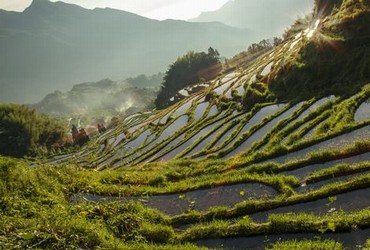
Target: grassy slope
(336,61)
(36,211)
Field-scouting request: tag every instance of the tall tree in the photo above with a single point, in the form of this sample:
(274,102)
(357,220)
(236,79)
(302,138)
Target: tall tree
(184,72)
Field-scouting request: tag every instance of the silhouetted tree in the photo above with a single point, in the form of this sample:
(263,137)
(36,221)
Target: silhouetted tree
(184,72)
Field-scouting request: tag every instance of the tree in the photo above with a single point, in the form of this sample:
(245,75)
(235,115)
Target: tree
(277,41)
(213,52)
(25,132)
(262,45)
(183,73)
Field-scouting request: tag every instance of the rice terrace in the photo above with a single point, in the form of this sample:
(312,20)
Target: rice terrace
(269,154)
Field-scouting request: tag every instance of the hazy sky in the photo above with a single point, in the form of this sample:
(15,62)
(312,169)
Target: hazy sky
(157,9)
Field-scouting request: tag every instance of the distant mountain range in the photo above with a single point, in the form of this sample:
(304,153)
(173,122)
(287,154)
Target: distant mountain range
(266,17)
(50,46)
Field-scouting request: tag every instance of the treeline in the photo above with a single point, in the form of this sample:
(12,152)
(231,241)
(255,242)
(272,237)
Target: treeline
(243,59)
(26,132)
(144,81)
(184,72)
(264,44)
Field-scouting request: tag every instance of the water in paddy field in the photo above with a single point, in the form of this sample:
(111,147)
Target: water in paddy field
(212,111)
(267,69)
(323,206)
(164,119)
(118,140)
(206,140)
(198,135)
(174,127)
(202,200)
(200,110)
(363,112)
(303,172)
(315,106)
(256,119)
(182,109)
(138,141)
(338,142)
(221,89)
(356,237)
(167,147)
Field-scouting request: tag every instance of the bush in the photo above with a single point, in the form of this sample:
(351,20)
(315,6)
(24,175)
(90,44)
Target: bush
(25,132)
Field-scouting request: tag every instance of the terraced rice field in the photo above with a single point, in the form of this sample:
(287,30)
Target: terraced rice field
(238,178)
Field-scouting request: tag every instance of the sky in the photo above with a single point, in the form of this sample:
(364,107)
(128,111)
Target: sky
(156,9)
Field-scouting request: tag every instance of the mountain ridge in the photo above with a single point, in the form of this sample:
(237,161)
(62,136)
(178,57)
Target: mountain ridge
(267,17)
(43,52)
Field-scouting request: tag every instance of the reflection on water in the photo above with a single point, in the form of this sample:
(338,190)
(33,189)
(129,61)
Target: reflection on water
(199,200)
(341,141)
(363,112)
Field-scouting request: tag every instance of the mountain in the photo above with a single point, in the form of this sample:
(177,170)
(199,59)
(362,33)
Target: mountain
(100,99)
(267,18)
(51,46)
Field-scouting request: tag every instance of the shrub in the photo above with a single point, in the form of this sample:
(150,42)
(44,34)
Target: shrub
(25,132)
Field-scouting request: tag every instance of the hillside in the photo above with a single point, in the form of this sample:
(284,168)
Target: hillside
(267,18)
(237,165)
(103,97)
(52,46)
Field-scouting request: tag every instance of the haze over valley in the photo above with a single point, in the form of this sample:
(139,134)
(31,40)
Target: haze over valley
(53,45)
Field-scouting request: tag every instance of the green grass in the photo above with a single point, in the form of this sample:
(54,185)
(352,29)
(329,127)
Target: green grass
(307,245)
(336,171)
(278,224)
(248,207)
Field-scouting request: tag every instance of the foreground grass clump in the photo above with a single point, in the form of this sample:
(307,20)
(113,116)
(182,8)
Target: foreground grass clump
(338,170)
(36,213)
(307,245)
(367,245)
(290,223)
